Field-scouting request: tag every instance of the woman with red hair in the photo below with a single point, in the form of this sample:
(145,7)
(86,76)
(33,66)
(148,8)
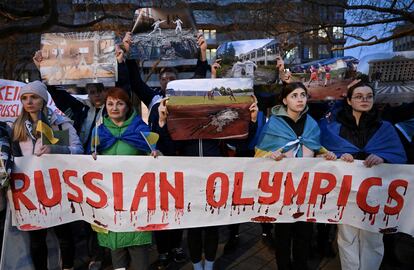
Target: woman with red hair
(123,132)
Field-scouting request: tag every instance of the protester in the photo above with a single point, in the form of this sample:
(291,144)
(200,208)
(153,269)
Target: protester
(122,133)
(85,113)
(6,164)
(291,132)
(27,138)
(168,241)
(357,132)
(196,242)
(6,158)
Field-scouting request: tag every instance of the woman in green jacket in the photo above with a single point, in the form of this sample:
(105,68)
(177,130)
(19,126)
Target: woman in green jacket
(122,133)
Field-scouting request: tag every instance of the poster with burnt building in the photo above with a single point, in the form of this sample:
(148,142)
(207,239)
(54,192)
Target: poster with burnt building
(209,108)
(78,58)
(163,34)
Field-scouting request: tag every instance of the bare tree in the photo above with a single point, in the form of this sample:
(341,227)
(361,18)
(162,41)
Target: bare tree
(17,21)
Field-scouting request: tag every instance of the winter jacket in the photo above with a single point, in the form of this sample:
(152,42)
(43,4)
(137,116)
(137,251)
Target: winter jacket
(57,122)
(115,240)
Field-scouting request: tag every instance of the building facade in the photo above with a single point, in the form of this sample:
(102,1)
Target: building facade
(219,22)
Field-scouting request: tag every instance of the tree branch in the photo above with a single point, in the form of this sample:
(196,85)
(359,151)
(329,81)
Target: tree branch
(91,23)
(381,40)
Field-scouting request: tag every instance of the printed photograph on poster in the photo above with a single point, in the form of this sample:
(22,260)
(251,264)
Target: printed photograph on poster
(325,79)
(254,59)
(78,58)
(163,34)
(391,74)
(209,108)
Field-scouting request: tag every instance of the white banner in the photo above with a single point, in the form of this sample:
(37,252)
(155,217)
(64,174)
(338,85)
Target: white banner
(128,193)
(10,105)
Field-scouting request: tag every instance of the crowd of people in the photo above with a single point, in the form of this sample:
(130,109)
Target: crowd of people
(107,124)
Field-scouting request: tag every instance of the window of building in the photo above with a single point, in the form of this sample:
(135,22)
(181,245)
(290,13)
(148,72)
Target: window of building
(211,54)
(338,32)
(339,52)
(339,15)
(307,52)
(323,51)
(213,34)
(208,33)
(323,12)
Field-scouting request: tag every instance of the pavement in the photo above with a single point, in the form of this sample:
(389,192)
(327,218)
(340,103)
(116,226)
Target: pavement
(251,254)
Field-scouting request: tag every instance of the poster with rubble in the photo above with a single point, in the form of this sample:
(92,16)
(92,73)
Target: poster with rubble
(325,79)
(209,108)
(78,58)
(391,74)
(163,34)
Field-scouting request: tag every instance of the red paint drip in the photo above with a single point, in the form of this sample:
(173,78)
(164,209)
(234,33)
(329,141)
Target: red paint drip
(263,219)
(189,207)
(29,227)
(323,201)
(341,212)
(372,218)
(152,227)
(72,207)
(281,210)
(81,209)
(164,216)
(308,211)
(178,214)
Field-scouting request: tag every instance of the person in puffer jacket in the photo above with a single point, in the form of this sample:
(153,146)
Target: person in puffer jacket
(122,133)
(26,141)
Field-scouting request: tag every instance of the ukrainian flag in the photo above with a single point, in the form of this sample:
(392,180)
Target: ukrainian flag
(151,139)
(44,128)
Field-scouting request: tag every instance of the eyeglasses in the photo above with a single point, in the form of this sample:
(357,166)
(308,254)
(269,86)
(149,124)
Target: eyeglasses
(363,98)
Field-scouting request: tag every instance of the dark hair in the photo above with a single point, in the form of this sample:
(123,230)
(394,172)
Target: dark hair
(289,88)
(99,86)
(362,83)
(168,69)
(119,93)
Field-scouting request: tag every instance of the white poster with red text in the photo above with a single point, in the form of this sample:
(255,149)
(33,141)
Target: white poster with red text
(129,193)
(10,105)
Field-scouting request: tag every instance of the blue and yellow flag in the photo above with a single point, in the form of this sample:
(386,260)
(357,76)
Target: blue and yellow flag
(44,128)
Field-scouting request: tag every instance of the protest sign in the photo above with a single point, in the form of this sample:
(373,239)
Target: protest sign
(325,79)
(10,105)
(209,108)
(129,193)
(163,34)
(391,75)
(78,58)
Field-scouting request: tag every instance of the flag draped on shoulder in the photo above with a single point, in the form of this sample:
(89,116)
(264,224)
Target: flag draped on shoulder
(137,134)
